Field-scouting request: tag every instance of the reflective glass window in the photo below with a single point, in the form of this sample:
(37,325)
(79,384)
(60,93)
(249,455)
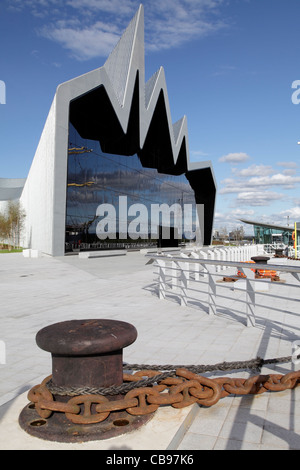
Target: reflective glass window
(95,178)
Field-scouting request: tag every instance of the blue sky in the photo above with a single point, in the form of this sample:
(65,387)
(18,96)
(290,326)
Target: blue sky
(229,64)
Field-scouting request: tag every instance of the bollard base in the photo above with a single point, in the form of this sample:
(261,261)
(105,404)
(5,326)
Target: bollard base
(59,429)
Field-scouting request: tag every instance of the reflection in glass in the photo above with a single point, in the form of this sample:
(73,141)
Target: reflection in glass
(95,178)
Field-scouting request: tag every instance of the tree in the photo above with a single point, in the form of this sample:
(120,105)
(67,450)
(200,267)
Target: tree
(4,228)
(16,218)
(238,234)
(223,234)
(12,223)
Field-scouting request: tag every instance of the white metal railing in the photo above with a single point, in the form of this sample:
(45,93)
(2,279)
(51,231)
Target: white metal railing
(201,282)
(271,248)
(293,253)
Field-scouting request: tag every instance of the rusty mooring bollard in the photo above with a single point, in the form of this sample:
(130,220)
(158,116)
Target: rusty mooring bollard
(85,353)
(260,259)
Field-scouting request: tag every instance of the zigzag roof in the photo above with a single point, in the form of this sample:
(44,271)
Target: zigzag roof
(122,66)
(118,75)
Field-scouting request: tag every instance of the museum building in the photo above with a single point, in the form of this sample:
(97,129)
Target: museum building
(109,135)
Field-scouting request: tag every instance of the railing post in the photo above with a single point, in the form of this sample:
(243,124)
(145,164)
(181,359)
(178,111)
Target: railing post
(250,296)
(223,258)
(250,299)
(186,266)
(211,290)
(174,273)
(227,256)
(204,256)
(161,278)
(212,257)
(184,279)
(217,254)
(196,266)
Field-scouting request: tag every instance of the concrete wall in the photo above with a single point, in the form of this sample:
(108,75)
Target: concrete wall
(37,197)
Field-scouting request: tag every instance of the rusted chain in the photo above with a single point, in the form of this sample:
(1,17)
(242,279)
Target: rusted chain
(253,364)
(135,382)
(179,391)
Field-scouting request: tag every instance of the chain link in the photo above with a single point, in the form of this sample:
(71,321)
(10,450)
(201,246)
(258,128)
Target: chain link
(179,391)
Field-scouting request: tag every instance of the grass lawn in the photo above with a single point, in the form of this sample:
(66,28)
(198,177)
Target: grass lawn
(13,250)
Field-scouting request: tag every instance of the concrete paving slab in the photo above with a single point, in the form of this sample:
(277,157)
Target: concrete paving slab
(163,432)
(36,292)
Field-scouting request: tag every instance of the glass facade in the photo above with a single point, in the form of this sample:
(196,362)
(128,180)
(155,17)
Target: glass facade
(268,235)
(96,179)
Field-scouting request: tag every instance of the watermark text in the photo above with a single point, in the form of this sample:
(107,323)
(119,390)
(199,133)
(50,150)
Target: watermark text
(2,92)
(296,94)
(2,352)
(296,352)
(139,221)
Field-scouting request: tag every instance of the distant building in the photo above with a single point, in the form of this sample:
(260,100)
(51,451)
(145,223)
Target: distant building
(216,234)
(267,233)
(10,190)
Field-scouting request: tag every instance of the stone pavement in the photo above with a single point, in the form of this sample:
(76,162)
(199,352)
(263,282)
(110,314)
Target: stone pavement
(36,292)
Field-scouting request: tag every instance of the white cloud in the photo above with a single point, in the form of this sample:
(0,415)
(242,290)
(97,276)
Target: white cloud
(125,7)
(234,158)
(290,171)
(275,180)
(257,198)
(198,153)
(224,70)
(174,22)
(293,213)
(234,215)
(83,42)
(231,219)
(242,212)
(296,201)
(252,186)
(38,8)
(288,164)
(254,170)
(258,182)
(168,23)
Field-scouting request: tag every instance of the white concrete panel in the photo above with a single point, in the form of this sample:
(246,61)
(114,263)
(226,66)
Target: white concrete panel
(38,193)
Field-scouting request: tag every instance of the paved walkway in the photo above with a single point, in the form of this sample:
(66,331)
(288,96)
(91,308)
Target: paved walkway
(37,292)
